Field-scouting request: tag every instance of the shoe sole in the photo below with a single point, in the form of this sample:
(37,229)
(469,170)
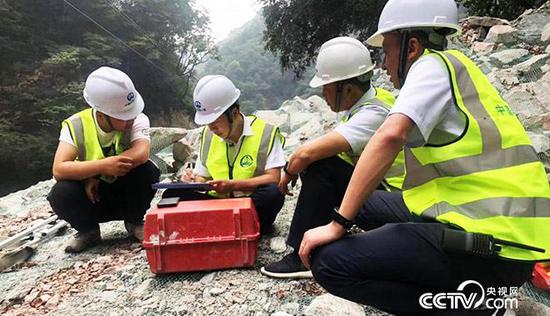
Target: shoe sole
(292,275)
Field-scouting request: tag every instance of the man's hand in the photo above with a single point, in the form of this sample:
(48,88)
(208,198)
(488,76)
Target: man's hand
(221,186)
(92,189)
(319,236)
(188,176)
(117,166)
(283,183)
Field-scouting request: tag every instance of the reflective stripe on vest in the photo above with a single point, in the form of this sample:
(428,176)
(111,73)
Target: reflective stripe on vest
(252,155)
(84,135)
(396,174)
(490,179)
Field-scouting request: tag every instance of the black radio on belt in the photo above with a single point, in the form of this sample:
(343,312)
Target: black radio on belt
(478,244)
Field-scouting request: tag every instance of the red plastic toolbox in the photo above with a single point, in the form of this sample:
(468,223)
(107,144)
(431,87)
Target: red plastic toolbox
(202,235)
(541,275)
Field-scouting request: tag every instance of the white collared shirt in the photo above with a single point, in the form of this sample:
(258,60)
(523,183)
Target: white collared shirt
(275,159)
(362,125)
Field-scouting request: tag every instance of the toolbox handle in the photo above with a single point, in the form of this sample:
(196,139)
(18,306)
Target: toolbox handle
(161,241)
(237,222)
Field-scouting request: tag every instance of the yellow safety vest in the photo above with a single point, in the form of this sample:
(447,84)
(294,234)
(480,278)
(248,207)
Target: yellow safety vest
(84,135)
(250,160)
(489,180)
(396,175)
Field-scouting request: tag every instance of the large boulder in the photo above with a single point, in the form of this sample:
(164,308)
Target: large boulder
(505,34)
(330,305)
(531,23)
(509,56)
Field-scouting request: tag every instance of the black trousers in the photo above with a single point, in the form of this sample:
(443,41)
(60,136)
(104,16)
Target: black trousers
(400,258)
(324,183)
(128,198)
(267,199)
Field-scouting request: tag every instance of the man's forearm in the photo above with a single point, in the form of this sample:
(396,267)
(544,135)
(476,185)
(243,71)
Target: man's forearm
(252,183)
(77,170)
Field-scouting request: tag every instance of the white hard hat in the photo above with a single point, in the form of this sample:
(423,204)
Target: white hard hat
(404,14)
(110,91)
(339,59)
(212,96)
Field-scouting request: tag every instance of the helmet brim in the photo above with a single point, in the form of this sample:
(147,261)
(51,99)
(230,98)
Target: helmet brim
(317,82)
(377,38)
(124,116)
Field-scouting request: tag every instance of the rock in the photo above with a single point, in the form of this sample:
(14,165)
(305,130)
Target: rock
(53,302)
(264,286)
(216,291)
(277,244)
(208,278)
(541,89)
(182,151)
(520,96)
(529,25)
(533,64)
(297,120)
(330,305)
(143,289)
(483,48)
(502,34)
(509,56)
(507,77)
(296,105)
(484,21)
(541,142)
(545,35)
(547,50)
(277,118)
(291,308)
(162,137)
(529,307)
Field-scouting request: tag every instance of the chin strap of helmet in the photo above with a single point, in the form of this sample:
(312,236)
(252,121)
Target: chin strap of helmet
(403,50)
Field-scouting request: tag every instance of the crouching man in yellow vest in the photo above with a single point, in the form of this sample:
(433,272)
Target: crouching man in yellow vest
(239,155)
(325,165)
(102,162)
(475,208)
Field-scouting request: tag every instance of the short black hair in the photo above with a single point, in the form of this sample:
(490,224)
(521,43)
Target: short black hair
(432,38)
(362,81)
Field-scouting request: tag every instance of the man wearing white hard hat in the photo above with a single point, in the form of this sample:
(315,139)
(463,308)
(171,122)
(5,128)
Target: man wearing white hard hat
(102,162)
(239,156)
(344,69)
(475,207)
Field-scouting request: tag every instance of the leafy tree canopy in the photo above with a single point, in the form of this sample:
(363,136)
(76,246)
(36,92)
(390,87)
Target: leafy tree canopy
(255,72)
(50,46)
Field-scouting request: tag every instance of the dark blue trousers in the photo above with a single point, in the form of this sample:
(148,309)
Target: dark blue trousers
(400,258)
(128,198)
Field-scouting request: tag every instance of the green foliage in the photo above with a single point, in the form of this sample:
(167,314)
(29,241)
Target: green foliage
(256,73)
(505,9)
(297,28)
(48,49)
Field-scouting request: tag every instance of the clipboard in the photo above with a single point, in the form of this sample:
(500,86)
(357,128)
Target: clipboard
(199,186)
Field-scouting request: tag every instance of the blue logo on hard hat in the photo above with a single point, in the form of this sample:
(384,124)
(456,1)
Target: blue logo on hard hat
(198,106)
(131,98)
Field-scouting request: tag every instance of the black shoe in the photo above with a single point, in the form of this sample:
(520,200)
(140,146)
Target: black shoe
(290,266)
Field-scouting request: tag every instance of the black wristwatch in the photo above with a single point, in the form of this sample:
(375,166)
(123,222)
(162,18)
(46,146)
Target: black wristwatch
(344,222)
(287,172)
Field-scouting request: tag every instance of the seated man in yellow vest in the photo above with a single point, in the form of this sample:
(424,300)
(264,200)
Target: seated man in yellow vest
(344,68)
(102,162)
(239,155)
(475,208)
